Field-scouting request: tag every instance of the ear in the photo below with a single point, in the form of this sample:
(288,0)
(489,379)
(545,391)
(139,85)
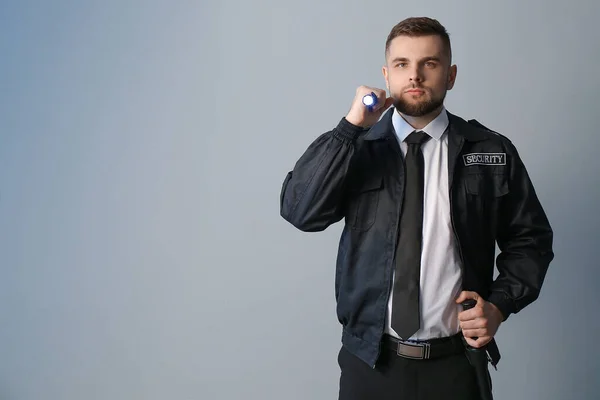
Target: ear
(384,71)
(451,77)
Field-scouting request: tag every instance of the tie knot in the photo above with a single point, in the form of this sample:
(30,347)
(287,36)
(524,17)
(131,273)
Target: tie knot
(417,137)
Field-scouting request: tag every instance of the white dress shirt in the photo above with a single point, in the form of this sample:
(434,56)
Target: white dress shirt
(441,279)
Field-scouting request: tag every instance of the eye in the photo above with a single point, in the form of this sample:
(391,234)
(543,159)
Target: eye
(430,64)
(400,65)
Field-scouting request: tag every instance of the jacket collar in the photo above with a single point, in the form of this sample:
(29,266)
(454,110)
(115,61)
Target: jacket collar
(384,129)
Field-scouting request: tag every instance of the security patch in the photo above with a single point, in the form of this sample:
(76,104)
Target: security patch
(485,159)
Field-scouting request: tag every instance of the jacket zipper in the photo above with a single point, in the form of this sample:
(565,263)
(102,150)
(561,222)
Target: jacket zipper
(460,250)
(462,262)
(391,274)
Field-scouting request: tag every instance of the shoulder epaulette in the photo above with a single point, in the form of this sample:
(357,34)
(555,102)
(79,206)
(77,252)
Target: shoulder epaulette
(480,125)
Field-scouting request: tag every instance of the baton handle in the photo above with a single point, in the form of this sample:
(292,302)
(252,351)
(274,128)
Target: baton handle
(478,359)
(467,305)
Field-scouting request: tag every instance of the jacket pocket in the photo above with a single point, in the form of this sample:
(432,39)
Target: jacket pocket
(364,198)
(485,194)
(494,185)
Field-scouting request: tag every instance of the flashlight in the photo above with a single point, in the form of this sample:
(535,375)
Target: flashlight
(370,100)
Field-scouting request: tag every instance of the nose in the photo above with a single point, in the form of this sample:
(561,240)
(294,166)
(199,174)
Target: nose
(415,74)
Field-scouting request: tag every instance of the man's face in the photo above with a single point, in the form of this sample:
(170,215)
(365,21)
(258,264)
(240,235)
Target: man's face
(418,74)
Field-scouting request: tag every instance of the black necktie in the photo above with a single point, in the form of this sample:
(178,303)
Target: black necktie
(405,302)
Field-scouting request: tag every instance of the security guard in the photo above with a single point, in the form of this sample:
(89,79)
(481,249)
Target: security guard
(425,196)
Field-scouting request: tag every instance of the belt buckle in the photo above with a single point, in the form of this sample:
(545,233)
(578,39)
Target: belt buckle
(415,351)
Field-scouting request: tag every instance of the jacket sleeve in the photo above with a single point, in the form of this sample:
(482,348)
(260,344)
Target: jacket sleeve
(312,193)
(524,237)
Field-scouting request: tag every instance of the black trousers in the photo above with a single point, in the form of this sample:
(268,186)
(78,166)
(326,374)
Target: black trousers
(399,378)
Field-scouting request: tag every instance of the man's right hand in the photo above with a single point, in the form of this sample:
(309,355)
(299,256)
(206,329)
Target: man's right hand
(360,115)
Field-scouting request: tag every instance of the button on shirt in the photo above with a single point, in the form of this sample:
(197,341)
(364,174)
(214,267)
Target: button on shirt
(440,279)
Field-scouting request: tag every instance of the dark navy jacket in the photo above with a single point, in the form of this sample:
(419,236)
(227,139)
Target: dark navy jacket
(357,175)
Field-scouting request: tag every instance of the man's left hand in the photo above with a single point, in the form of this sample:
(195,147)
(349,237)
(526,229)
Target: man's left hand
(481,321)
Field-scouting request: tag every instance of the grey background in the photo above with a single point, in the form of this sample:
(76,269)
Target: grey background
(142,150)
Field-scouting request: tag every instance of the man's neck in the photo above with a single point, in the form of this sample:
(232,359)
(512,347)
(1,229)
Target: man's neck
(422,121)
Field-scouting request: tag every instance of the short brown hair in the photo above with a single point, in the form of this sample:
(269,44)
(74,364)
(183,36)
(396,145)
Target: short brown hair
(420,26)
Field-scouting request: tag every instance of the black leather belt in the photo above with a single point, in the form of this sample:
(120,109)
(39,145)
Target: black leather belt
(425,349)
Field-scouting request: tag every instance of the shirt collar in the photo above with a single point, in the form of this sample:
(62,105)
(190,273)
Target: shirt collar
(435,128)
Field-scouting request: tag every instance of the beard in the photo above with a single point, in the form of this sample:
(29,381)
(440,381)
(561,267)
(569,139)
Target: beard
(420,108)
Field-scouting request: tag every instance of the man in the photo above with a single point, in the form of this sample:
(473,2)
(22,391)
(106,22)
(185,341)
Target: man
(425,196)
